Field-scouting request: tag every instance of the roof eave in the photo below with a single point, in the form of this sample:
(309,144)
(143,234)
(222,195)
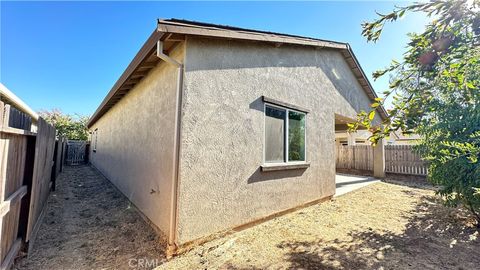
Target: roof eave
(146,50)
(179,28)
(382,111)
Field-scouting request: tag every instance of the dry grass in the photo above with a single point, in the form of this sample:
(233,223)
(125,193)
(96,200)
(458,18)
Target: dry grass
(380,226)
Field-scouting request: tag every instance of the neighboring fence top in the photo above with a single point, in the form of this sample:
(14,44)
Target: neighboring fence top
(12,99)
(11,117)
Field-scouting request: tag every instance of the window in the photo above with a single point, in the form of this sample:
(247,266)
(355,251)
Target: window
(284,135)
(94,139)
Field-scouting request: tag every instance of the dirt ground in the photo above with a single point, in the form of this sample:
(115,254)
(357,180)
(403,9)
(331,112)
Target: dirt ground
(89,224)
(382,226)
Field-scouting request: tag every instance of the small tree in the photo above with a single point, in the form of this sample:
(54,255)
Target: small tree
(72,127)
(435,92)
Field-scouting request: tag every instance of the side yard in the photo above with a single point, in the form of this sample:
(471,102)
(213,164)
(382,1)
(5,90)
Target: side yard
(382,226)
(89,224)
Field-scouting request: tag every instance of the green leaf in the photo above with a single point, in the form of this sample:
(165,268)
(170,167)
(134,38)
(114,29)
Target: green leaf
(371,115)
(379,73)
(394,84)
(470,85)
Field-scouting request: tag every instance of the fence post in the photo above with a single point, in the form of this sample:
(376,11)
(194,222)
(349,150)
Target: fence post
(379,160)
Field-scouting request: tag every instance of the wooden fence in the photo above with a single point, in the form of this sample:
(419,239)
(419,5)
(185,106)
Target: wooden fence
(58,159)
(16,119)
(26,162)
(13,149)
(401,159)
(354,157)
(42,170)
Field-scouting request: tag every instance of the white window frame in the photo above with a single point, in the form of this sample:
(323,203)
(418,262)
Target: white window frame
(286,134)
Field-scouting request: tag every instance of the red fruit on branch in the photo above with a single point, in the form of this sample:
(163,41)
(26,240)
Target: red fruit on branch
(428,58)
(442,44)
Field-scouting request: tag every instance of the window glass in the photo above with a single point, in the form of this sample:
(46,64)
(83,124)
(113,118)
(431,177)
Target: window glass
(274,134)
(296,136)
(95,133)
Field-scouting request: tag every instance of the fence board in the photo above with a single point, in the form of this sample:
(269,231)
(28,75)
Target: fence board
(42,170)
(58,156)
(14,118)
(58,160)
(13,147)
(26,159)
(356,157)
(402,159)
(64,154)
(8,261)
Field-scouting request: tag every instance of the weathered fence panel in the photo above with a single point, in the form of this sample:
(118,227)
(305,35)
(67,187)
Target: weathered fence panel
(14,133)
(42,171)
(16,119)
(354,157)
(401,159)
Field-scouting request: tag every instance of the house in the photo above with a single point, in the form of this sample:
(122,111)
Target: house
(398,138)
(361,137)
(344,138)
(214,127)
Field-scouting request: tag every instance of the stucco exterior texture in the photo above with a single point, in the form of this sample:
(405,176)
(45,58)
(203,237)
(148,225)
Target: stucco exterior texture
(135,143)
(221,185)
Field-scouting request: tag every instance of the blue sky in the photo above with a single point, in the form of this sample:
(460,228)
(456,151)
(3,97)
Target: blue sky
(68,55)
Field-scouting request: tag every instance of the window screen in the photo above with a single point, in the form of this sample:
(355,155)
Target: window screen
(274,134)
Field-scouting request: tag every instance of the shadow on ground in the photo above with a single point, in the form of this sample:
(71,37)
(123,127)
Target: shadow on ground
(414,181)
(435,238)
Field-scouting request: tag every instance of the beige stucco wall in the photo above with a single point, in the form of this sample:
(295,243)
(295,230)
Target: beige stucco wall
(352,137)
(135,142)
(221,185)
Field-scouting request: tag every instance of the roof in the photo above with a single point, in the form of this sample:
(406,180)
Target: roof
(12,99)
(398,134)
(173,31)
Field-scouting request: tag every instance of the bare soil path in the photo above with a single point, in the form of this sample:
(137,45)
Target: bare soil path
(89,224)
